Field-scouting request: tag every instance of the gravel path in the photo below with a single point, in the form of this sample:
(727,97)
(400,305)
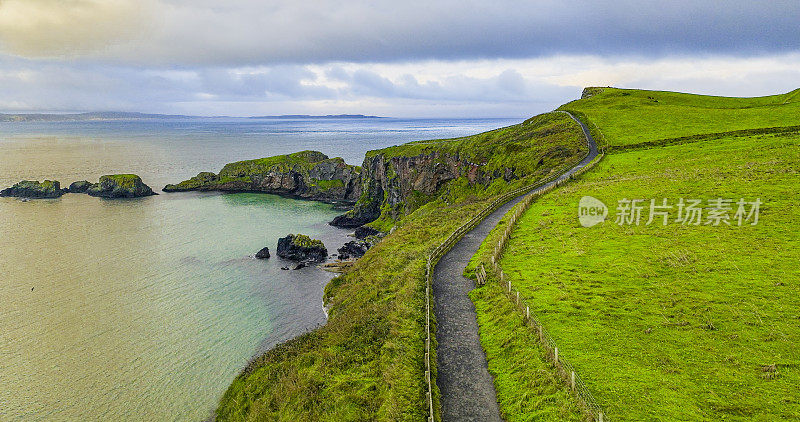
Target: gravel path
(467,388)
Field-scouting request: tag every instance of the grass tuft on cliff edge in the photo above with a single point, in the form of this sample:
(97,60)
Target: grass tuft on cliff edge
(367,362)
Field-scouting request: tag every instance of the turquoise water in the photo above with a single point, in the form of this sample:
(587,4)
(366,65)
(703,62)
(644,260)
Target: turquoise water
(146,309)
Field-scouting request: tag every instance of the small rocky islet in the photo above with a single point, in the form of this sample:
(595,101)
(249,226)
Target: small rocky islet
(301,248)
(109,186)
(34,189)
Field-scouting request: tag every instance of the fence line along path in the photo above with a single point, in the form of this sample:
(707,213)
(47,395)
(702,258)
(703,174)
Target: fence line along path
(466,387)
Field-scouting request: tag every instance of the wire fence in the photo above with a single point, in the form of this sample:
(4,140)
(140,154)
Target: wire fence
(564,368)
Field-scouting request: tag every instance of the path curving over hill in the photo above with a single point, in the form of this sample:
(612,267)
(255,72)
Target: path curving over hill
(466,387)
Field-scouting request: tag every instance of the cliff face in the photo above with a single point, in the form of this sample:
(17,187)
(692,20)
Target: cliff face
(306,175)
(391,184)
(397,180)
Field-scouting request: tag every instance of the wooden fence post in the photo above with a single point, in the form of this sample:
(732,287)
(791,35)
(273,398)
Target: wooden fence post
(528,312)
(572,380)
(556,354)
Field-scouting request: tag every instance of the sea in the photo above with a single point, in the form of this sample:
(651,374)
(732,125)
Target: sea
(146,309)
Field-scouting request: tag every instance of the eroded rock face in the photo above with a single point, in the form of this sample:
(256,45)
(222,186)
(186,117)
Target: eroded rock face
(391,182)
(300,247)
(34,189)
(120,186)
(307,175)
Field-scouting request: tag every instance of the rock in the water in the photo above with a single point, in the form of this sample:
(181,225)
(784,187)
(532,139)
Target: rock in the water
(300,265)
(34,189)
(120,186)
(353,249)
(263,254)
(79,187)
(301,248)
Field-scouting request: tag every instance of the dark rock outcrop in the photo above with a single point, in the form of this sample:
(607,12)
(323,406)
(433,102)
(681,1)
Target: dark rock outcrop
(307,175)
(263,254)
(364,232)
(79,187)
(34,189)
(120,186)
(390,183)
(301,248)
(353,249)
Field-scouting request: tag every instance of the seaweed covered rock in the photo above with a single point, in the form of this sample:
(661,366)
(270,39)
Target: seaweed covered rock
(79,187)
(306,174)
(34,189)
(120,186)
(300,247)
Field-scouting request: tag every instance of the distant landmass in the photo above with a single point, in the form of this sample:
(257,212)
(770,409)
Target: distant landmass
(118,115)
(327,116)
(104,115)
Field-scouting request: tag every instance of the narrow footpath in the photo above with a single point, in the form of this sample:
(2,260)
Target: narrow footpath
(467,388)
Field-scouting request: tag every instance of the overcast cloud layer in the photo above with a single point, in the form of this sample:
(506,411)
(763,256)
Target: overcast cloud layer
(442,58)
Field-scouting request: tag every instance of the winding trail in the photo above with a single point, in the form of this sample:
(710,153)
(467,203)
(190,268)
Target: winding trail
(466,387)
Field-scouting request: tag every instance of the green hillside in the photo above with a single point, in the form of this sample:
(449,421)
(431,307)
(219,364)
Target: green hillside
(631,116)
(676,321)
(367,362)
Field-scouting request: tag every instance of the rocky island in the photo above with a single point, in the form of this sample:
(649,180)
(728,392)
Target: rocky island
(305,175)
(109,186)
(300,247)
(34,189)
(119,186)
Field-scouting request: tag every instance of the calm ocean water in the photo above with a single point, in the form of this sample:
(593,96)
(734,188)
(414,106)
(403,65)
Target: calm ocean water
(146,309)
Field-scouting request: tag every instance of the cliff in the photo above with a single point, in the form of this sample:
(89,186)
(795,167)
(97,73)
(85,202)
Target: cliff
(397,180)
(307,175)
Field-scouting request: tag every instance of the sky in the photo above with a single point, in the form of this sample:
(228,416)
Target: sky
(433,58)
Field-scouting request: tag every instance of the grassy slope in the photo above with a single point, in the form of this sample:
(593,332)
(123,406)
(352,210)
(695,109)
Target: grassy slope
(669,322)
(631,116)
(497,152)
(367,362)
(504,148)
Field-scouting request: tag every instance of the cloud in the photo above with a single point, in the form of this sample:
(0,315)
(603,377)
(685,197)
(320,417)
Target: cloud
(465,88)
(70,27)
(259,32)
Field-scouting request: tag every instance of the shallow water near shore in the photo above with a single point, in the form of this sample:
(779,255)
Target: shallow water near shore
(146,309)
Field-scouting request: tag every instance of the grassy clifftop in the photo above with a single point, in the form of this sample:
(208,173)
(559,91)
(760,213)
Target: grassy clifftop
(367,362)
(630,116)
(676,321)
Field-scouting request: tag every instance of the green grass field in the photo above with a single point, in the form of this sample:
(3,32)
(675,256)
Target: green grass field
(675,322)
(367,362)
(631,116)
